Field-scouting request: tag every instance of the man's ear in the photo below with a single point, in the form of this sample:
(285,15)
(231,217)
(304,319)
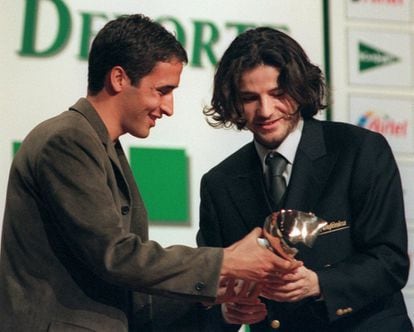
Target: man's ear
(118,79)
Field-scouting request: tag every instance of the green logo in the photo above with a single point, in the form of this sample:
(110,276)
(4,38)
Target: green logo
(371,57)
(202,47)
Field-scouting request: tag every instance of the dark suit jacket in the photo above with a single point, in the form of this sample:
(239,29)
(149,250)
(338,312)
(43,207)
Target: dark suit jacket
(348,176)
(75,250)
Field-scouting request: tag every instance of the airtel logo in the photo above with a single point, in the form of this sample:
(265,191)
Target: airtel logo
(383,124)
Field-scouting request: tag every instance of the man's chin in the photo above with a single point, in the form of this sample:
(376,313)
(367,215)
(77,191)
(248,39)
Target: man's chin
(269,143)
(141,134)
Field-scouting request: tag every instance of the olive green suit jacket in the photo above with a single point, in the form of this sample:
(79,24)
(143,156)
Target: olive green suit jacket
(75,252)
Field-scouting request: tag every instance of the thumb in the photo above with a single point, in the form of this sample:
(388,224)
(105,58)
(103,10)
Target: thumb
(256,232)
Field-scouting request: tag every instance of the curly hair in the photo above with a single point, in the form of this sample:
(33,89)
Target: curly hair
(135,43)
(298,77)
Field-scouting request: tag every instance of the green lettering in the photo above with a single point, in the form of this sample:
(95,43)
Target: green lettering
(87,34)
(204,45)
(30,28)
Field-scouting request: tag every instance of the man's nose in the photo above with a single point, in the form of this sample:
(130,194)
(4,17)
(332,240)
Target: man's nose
(265,107)
(167,105)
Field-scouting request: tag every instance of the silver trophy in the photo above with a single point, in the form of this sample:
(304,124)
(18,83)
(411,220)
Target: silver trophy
(284,228)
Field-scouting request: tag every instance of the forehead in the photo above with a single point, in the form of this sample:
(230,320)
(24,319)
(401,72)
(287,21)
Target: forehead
(262,75)
(165,73)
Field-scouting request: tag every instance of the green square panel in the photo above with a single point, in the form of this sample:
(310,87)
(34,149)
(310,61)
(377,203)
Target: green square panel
(162,178)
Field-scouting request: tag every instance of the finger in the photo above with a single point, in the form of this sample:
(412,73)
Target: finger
(244,289)
(256,290)
(292,296)
(277,291)
(230,288)
(226,291)
(289,287)
(275,278)
(223,281)
(292,277)
(295,296)
(294,264)
(272,288)
(256,232)
(285,292)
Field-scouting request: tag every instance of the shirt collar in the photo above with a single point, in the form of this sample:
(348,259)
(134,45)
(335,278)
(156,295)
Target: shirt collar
(287,148)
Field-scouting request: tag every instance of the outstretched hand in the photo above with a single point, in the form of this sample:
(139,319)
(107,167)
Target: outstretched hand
(247,260)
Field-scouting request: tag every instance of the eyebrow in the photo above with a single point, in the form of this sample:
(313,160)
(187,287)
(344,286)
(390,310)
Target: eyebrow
(166,87)
(276,89)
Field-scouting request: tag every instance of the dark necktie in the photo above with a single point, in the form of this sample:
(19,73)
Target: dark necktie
(277,183)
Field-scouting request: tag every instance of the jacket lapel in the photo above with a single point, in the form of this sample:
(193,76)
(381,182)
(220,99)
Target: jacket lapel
(247,189)
(311,169)
(83,107)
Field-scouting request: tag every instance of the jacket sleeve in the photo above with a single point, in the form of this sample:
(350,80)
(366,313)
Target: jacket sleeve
(81,199)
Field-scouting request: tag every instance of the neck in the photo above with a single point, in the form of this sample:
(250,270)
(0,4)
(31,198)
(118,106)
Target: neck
(105,106)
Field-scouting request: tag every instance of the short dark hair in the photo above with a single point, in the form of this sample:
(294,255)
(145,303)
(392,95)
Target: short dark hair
(134,42)
(298,78)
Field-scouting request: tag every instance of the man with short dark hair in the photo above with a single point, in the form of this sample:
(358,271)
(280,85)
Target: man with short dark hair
(75,250)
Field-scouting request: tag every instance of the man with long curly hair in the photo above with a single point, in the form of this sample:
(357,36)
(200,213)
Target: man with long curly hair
(351,279)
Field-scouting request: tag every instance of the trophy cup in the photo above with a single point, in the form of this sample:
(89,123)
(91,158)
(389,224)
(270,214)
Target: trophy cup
(284,228)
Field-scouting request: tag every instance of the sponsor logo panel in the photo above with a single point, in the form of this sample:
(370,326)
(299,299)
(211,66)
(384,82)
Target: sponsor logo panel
(391,117)
(380,58)
(392,10)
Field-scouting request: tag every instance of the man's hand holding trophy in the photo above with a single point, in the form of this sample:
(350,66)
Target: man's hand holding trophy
(281,231)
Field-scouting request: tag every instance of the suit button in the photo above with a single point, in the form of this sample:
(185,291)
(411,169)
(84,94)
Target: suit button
(125,210)
(275,324)
(199,286)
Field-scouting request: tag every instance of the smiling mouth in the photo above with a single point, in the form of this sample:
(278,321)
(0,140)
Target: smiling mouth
(153,120)
(268,124)
(152,123)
